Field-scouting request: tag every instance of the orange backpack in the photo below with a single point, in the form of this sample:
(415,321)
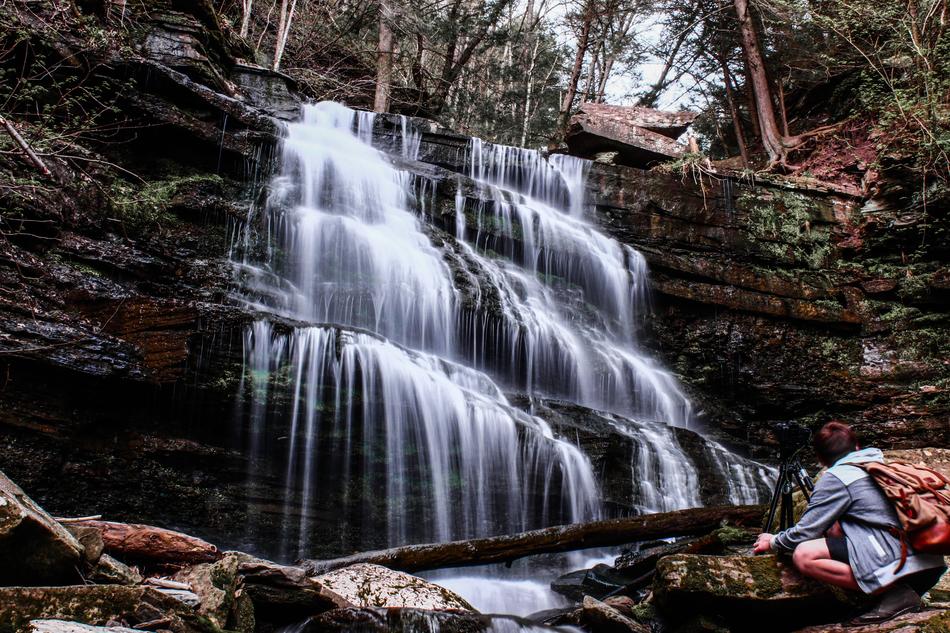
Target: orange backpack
(921,497)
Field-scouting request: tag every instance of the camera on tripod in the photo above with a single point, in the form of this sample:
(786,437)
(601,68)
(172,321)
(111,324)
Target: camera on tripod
(792,438)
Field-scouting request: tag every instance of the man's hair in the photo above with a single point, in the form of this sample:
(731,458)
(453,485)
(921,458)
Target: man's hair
(833,441)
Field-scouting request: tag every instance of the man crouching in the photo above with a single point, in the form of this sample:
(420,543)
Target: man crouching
(846,536)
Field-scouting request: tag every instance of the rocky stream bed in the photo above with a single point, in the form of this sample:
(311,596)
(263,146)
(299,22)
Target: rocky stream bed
(86,574)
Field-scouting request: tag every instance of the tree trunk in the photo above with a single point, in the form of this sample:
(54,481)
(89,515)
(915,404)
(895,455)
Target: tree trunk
(568,102)
(532,45)
(452,66)
(246,6)
(734,110)
(384,61)
(563,538)
(145,543)
(773,140)
(283,29)
(592,72)
(781,106)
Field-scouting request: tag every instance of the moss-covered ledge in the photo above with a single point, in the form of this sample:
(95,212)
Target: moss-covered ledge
(745,587)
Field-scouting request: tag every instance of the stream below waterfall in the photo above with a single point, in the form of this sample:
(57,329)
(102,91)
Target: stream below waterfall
(405,356)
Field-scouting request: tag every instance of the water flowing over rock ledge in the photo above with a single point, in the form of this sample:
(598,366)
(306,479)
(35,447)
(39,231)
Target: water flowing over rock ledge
(123,349)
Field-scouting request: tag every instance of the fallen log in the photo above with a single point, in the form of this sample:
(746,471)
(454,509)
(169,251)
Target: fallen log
(562,538)
(133,543)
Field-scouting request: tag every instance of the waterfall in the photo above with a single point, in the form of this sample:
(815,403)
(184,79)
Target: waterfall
(380,366)
(570,297)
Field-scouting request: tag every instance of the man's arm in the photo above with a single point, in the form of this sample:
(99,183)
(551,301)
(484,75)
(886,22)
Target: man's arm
(828,502)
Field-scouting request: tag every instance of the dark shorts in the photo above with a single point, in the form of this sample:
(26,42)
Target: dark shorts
(838,548)
(921,581)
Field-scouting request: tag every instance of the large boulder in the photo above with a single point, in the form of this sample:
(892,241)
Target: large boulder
(633,136)
(34,548)
(285,594)
(96,605)
(401,620)
(375,586)
(762,586)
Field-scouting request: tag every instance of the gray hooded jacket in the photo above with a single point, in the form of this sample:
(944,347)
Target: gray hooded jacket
(847,494)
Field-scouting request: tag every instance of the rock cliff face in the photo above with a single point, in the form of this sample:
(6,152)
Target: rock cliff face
(777,302)
(121,350)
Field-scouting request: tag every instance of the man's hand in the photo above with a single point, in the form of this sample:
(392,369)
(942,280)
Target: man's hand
(763,544)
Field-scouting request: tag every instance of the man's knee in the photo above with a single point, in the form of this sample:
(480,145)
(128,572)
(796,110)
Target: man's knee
(802,557)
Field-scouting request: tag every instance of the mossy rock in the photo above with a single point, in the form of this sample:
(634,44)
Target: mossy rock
(97,605)
(219,588)
(760,585)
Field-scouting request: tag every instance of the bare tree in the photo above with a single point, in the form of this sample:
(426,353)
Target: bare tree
(246,7)
(728,82)
(287,9)
(384,60)
(583,39)
(455,59)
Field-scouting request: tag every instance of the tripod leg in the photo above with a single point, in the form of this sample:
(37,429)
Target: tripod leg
(788,512)
(776,495)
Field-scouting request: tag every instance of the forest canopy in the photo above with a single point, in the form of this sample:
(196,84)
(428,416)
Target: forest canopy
(768,76)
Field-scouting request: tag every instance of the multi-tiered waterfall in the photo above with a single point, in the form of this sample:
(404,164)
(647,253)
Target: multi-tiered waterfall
(390,338)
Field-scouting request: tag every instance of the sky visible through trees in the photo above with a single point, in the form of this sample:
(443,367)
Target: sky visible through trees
(771,78)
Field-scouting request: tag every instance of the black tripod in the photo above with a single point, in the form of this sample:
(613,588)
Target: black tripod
(790,473)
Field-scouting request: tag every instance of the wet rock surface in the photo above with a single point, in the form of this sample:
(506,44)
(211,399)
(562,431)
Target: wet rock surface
(376,586)
(745,590)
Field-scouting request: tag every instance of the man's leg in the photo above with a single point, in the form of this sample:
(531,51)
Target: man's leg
(813,559)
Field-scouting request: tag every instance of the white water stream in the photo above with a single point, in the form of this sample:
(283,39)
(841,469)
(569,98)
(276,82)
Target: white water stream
(390,388)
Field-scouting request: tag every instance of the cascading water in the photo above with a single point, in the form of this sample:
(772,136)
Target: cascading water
(432,442)
(380,368)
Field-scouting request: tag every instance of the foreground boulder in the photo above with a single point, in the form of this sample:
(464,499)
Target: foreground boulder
(34,548)
(375,586)
(760,586)
(285,594)
(98,606)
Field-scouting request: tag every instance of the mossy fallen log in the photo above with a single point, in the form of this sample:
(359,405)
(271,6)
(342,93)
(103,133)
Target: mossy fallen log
(562,538)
